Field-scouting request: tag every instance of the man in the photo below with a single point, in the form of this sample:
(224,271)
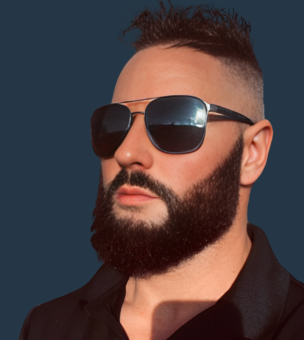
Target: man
(181,145)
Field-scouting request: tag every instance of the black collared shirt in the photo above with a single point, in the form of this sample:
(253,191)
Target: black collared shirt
(265,302)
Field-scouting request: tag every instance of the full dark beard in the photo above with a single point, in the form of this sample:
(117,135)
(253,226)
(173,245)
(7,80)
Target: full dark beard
(197,220)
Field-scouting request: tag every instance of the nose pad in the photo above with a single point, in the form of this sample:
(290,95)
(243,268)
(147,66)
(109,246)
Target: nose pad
(137,113)
(133,116)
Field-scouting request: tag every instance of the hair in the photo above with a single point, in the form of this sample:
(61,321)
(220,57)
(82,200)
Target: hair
(216,32)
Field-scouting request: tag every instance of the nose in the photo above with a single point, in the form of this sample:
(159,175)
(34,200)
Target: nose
(136,151)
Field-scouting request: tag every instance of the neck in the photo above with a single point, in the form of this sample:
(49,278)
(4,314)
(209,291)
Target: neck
(201,280)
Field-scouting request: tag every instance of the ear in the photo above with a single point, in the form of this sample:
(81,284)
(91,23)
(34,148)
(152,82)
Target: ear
(257,141)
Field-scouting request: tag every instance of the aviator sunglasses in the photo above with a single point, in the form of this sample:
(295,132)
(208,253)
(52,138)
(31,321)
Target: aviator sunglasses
(175,124)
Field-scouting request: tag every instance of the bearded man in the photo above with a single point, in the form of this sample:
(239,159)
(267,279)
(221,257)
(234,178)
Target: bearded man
(181,145)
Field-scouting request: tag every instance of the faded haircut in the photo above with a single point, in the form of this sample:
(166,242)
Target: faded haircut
(216,32)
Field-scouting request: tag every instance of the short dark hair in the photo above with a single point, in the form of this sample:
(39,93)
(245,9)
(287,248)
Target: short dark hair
(217,32)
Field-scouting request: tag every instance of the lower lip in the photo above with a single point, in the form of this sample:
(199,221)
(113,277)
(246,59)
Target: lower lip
(133,199)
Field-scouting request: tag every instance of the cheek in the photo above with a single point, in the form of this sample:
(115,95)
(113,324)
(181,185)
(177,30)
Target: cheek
(180,172)
(109,169)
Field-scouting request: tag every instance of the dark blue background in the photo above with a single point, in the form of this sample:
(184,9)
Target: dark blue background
(60,61)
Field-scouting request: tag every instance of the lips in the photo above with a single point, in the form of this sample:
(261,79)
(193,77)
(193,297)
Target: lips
(130,195)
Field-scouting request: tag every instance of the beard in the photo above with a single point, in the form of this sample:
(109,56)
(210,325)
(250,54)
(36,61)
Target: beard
(199,219)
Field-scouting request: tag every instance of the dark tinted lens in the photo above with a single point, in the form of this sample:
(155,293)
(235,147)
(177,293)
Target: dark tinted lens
(177,124)
(109,126)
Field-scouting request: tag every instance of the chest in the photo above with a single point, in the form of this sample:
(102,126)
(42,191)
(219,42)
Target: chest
(138,328)
(160,324)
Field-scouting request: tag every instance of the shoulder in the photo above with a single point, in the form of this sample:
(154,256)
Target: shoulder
(295,295)
(292,324)
(26,325)
(66,313)
(50,314)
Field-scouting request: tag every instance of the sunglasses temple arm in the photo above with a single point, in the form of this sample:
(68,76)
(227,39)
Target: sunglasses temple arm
(230,114)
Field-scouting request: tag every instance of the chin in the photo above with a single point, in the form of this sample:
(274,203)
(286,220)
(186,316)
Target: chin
(149,215)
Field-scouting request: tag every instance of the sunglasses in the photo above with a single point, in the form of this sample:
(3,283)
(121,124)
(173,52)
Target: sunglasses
(174,124)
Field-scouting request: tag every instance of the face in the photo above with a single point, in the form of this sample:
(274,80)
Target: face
(150,194)
(159,72)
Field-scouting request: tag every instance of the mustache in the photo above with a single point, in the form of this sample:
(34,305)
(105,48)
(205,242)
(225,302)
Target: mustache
(140,179)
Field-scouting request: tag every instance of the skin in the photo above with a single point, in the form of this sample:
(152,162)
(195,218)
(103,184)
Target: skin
(157,306)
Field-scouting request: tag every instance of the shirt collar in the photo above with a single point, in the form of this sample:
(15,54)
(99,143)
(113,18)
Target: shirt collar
(258,295)
(252,308)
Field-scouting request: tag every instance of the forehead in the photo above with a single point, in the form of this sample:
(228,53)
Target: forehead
(160,71)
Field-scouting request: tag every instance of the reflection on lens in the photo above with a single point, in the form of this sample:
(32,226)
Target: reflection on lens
(177,124)
(109,126)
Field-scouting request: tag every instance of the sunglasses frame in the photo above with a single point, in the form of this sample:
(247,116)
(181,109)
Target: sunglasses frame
(212,108)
